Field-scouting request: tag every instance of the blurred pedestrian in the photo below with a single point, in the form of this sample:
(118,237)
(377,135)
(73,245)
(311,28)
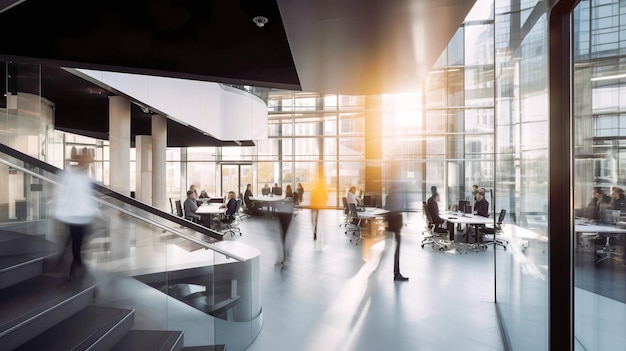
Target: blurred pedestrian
(74,206)
(395,206)
(319,198)
(284,212)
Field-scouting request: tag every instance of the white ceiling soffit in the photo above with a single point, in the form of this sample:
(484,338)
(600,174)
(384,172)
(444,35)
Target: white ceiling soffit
(366,47)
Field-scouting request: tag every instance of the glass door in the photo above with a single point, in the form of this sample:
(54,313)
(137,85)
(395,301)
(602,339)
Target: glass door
(235,177)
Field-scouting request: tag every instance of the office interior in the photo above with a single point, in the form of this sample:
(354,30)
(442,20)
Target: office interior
(522,98)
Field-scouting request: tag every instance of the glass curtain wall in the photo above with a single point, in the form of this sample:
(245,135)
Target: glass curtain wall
(521,170)
(599,134)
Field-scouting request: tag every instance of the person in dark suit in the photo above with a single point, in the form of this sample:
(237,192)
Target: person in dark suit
(395,206)
(481,207)
(433,210)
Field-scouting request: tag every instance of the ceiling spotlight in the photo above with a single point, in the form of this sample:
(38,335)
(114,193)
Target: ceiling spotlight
(260,21)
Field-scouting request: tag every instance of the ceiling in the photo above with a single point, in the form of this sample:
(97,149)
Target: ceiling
(350,47)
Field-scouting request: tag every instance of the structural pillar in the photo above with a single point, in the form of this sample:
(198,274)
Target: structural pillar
(120,230)
(143,167)
(159,163)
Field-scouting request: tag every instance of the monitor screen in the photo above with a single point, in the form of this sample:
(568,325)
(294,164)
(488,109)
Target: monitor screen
(465,206)
(277,191)
(265,191)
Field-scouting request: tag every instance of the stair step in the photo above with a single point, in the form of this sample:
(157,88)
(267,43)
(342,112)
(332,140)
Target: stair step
(205,348)
(94,328)
(164,340)
(21,257)
(32,306)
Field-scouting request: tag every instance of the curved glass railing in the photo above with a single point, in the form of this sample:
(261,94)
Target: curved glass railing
(175,274)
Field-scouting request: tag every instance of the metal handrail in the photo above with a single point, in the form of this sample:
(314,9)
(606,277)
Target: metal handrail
(130,213)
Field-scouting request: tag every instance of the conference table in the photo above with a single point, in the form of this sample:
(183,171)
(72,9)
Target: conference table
(268,201)
(454,217)
(593,229)
(211,213)
(371,212)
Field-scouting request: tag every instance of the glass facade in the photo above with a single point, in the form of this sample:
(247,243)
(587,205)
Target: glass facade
(481,117)
(598,137)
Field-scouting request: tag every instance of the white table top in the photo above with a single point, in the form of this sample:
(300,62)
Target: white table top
(210,209)
(464,218)
(267,198)
(372,212)
(590,227)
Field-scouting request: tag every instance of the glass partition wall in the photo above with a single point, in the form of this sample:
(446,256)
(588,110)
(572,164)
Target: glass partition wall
(599,132)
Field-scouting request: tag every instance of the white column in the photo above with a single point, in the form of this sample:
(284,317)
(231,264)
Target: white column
(121,230)
(119,141)
(143,169)
(159,166)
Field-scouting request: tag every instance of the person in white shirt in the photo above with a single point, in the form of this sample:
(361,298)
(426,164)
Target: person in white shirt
(351,197)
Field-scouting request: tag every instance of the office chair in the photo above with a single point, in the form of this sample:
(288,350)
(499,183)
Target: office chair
(495,231)
(367,200)
(180,213)
(374,202)
(354,224)
(241,209)
(428,233)
(443,244)
(346,213)
(172,207)
(229,223)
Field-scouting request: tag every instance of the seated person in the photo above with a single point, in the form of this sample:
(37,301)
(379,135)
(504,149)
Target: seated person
(433,210)
(288,192)
(481,206)
(351,197)
(190,207)
(265,190)
(231,206)
(618,203)
(599,201)
(204,195)
(276,190)
(246,197)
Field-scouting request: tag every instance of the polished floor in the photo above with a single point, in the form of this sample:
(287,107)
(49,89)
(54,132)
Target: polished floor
(332,295)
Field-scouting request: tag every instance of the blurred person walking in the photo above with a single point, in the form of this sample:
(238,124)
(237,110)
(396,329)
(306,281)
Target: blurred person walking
(75,207)
(395,204)
(319,198)
(284,212)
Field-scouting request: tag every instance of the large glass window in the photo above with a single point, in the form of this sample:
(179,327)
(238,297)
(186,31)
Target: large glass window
(599,130)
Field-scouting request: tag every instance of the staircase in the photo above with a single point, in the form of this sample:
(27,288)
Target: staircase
(40,311)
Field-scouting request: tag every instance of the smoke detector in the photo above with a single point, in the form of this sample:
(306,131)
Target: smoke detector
(260,21)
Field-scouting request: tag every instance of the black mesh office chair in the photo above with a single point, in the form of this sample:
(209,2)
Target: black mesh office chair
(354,224)
(181,213)
(489,230)
(367,200)
(229,223)
(346,213)
(434,232)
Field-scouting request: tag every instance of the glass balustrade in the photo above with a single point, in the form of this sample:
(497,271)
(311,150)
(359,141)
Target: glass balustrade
(175,274)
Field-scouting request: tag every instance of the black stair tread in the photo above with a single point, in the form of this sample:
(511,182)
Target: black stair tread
(25,300)
(150,340)
(80,330)
(205,348)
(12,243)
